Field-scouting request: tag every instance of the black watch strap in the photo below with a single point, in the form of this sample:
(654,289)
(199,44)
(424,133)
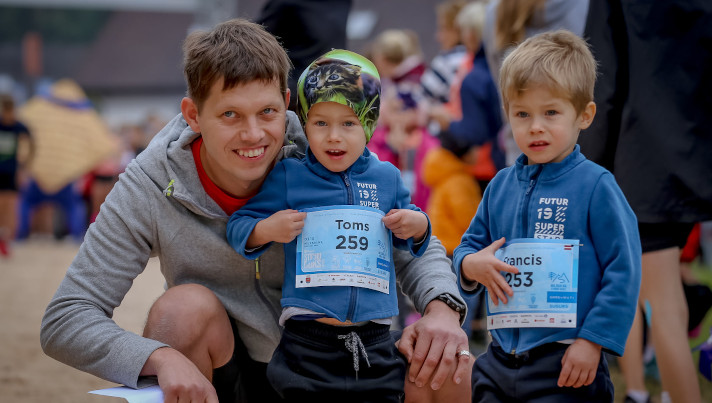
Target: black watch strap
(454,304)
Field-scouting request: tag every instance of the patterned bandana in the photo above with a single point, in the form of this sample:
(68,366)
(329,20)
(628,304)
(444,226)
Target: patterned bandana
(346,78)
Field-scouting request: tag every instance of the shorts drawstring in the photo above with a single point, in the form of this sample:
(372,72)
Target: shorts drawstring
(355,346)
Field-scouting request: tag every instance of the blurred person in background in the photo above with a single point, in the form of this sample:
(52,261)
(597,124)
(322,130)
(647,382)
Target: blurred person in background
(70,217)
(399,60)
(403,140)
(13,135)
(697,295)
(654,133)
(470,123)
(306,29)
(454,196)
(509,22)
(473,117)
(443,67)
(401,136)
(132,139)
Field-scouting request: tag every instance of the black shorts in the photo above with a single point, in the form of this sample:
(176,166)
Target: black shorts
(658,236)
(532,377)
(7,181)
(315,362)
(243,379)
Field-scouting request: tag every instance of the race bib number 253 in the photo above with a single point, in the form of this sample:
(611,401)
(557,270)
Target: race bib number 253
(546,287)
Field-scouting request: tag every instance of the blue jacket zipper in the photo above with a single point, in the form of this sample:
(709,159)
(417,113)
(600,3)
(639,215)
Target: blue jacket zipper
(350,201)
(525,226)
(527,198)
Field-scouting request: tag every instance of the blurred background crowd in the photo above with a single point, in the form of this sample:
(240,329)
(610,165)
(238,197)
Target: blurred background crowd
(85,84)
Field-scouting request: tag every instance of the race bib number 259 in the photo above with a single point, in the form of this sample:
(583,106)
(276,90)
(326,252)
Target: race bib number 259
(344,246)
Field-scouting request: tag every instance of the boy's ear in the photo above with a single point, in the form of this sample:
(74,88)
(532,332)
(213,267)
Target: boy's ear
(190,113)
(287,95)
(587,115)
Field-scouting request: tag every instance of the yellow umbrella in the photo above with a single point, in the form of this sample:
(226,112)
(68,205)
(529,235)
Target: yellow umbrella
(70,138)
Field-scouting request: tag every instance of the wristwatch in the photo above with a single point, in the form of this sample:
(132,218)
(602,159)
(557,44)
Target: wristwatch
(454,304)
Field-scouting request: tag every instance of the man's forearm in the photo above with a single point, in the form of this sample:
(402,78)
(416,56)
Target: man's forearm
(425,278)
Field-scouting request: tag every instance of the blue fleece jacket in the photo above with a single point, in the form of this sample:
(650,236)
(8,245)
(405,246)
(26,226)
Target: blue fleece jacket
(572,199)
(303,183)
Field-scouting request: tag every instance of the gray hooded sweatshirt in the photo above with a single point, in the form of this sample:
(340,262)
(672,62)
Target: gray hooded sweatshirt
(159,208)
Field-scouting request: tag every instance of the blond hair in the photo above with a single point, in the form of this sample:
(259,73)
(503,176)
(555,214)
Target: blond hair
(239,51)
(512,19)
(447,13)
(472,17)
(396,45)
(560,61)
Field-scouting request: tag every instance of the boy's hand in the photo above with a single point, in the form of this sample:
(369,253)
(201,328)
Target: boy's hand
(406,223)
(580,363)
(282,226)
(484,268)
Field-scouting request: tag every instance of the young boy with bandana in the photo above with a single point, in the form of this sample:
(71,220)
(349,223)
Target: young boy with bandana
(337,306)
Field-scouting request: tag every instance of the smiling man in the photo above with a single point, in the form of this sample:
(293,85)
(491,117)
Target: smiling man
(212,332)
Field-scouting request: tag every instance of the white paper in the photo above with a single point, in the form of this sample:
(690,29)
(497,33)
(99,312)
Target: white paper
(151,394)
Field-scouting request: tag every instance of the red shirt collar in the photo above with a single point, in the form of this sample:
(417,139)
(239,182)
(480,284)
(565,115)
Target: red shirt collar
(228,203)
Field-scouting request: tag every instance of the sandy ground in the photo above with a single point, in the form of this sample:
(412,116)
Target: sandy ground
(29,279)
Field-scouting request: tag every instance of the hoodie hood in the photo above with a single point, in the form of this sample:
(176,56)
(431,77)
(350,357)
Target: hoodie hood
(439,165)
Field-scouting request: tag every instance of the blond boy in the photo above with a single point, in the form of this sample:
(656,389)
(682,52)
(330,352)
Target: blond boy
(554,241)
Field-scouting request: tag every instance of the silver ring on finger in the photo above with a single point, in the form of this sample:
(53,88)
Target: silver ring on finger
(463,352)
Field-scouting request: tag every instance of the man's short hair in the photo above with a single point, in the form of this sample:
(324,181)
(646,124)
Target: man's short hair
(559,60)
(239,51)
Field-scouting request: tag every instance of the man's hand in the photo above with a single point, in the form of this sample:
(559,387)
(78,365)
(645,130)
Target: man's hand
(406,223)
(580,363)
(431,345)
(179,379)
(486,269)
(282,226)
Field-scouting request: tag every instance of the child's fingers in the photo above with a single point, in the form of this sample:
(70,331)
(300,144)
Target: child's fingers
(497,294)
(501,266)
(296,216)
(493,297)
(495,245)
(590,378)
(564,376)
(580,379)
(500,282)
(575,378)
(565,370)
(389,220)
